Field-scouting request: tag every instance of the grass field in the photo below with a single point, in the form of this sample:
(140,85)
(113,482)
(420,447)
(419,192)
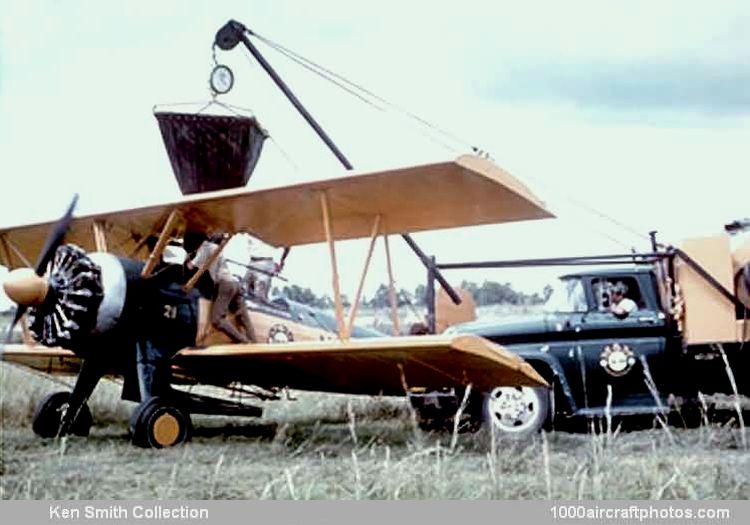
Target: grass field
(341,447)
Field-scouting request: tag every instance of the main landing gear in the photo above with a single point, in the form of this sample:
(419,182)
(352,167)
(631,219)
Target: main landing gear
(158,423)
(63,413)
(164,421)
(53,409)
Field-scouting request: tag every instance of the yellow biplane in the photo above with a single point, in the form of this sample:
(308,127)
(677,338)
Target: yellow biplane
(99,305)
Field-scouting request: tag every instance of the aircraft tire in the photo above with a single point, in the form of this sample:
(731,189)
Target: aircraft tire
(516,411)
(158,423)
(49,412)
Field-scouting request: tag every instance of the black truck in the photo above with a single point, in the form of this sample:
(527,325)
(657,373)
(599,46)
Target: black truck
(599,363)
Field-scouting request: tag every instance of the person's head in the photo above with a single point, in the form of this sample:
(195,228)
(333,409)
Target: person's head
(618,291)
(192,241)
(419,329)
(216,238)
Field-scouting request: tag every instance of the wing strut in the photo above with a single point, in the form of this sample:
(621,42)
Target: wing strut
(326,209)
(7,243)
(206,265)
(4,253)
(358,295)
(161,243)
(391,289)
(100,236)
(234,32)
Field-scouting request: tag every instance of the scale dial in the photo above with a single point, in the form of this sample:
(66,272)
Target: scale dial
(221,80)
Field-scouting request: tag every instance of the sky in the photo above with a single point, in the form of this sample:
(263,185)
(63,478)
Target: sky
(624,117)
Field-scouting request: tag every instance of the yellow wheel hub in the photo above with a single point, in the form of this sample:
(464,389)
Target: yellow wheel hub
(166,430)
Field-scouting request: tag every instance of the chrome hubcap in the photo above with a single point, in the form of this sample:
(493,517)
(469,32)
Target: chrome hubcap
(512,409)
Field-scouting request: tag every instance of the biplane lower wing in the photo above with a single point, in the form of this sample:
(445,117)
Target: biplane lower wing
(55,361)
(369,366)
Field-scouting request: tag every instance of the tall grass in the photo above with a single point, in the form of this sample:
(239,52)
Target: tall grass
(345,447)
(736,396)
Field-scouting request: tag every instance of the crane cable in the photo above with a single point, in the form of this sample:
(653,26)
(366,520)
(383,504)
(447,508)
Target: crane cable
(323,73)
(362,93)
(590,209)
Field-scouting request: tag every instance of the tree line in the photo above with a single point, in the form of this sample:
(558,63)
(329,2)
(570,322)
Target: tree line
(489,292)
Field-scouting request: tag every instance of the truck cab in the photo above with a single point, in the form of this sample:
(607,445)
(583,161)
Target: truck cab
(587,351)
(597,361)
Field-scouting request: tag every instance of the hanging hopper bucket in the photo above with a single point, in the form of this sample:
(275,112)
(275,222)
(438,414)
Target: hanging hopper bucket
(211,152)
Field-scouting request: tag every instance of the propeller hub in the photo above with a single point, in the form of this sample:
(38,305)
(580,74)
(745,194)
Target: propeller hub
(23,286)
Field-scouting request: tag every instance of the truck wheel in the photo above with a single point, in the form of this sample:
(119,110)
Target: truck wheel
(157,423)
(516,411)
(49,413)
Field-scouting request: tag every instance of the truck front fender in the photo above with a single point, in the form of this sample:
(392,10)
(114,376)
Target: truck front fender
(551,369)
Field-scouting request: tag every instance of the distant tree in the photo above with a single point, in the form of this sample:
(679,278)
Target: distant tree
(420,293)
(535,298)
(492,292)
(300,295)
(404,297)
(324,302)
(470,287)
(381,298)
(345,300)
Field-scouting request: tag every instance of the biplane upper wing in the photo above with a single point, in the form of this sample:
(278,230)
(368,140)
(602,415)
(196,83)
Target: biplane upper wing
(370,366)
(467,191)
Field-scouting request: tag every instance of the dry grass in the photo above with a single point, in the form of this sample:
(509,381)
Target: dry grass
(343,447)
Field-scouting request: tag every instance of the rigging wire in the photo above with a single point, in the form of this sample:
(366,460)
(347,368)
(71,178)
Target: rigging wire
(376,107)
(590,209)
(320,72)
(604,234)
(285,155)
(609,218)
(360,92)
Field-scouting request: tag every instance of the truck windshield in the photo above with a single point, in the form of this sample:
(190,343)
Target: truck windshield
(567,296)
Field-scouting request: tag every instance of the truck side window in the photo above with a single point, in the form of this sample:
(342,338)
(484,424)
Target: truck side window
(567,296)
(602,289)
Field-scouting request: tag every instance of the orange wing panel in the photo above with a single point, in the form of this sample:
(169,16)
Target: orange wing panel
(464,192)
(56,361)
(365,366)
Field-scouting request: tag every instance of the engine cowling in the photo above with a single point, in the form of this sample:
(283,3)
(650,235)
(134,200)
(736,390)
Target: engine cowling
(91,296)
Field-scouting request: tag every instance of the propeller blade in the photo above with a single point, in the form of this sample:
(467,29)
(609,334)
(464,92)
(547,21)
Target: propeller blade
(55,238)
(284,255)
(20,310)
(53,241)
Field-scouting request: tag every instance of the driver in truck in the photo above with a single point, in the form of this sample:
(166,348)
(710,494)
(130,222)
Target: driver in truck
(621,306)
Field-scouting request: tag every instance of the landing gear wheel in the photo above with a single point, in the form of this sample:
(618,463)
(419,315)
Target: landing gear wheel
(516,411)
(157,423)
(50,411)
